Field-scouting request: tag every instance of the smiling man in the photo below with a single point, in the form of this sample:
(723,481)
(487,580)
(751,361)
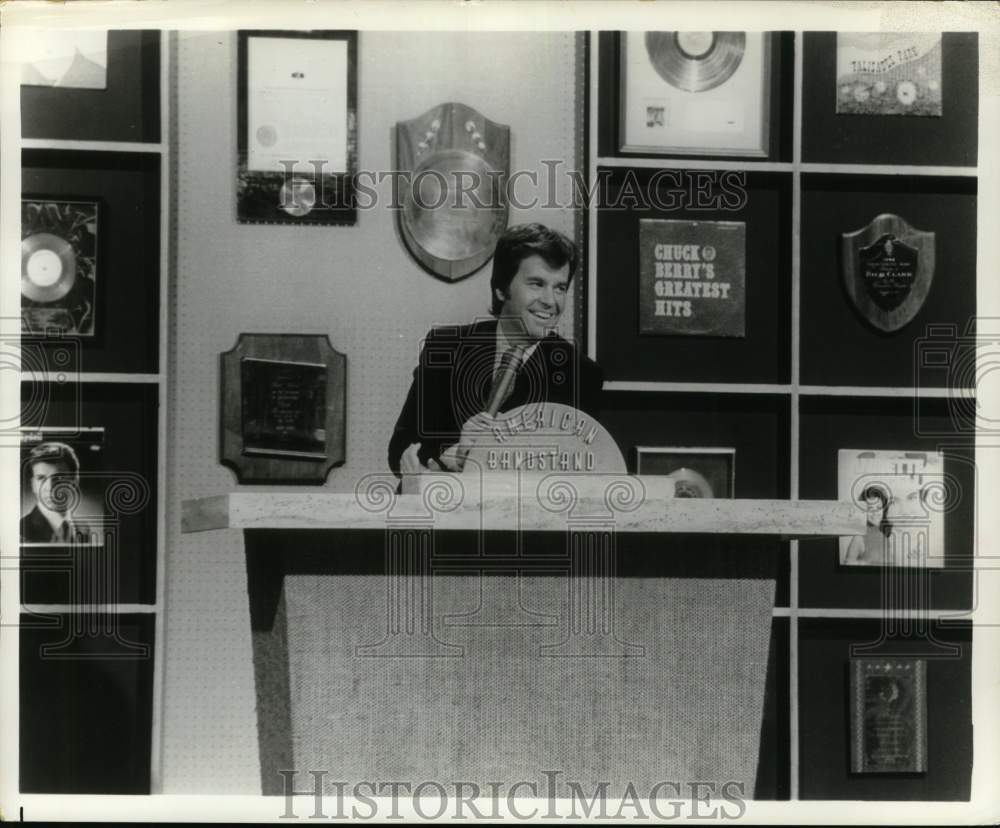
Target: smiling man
(491,366)
(54,472)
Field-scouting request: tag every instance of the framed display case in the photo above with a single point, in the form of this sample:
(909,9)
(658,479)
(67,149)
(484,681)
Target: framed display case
(827,647)
(111,431)
(864,354)
(88,728)
(126,109)
(884,193)
(830,426)
(97,216)
(759,201)
(765,135)
(946,140)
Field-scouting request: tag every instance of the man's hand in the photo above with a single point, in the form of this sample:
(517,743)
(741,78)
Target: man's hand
(411,468)
(476,430)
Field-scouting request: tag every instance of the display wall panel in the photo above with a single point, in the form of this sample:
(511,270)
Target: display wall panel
(824,723)
(757,427)
(781,92)
(128,109)
(830,424)
(123,481)
(86,685)
(948,140)
(839,346)
(763,202)
(125,336)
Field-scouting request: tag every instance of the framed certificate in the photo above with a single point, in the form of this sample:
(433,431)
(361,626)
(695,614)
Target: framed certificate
(695,93)
(297,127)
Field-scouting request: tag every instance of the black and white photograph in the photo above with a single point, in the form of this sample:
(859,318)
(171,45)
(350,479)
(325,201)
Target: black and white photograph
(441,412)
(62,499)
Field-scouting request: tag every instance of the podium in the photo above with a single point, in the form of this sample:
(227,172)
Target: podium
(483,630)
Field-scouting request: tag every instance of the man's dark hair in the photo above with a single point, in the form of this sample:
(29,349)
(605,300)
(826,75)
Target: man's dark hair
(55,453)
(517,244)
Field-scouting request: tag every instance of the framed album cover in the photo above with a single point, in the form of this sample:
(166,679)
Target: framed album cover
(889,73)
(297,130)
(697,472)
(59,267)
(903,494)
(692,278)
(695,93)
(62,487)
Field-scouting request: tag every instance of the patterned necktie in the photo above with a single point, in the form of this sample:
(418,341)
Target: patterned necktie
(503,382)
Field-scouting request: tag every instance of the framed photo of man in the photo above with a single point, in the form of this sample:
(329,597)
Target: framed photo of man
(62,492)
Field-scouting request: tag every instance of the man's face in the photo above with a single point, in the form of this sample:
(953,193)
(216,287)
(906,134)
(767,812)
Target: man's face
(44,476)
(535,298)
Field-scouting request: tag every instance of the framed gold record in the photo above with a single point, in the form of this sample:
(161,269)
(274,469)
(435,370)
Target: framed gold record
(695,93)
(59,266)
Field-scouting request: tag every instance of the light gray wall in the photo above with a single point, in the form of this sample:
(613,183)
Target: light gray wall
(356,284)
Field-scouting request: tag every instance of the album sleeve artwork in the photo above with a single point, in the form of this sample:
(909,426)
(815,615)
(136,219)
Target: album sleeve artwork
(63,485)
(59,267)
(903,494)
(894,73)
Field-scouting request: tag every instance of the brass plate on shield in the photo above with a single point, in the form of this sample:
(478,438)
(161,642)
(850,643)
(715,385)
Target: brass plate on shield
(454,164)
(888,268)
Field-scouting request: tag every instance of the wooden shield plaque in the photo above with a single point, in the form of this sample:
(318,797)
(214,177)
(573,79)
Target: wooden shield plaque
(283,408)
(453,164)
(888,268)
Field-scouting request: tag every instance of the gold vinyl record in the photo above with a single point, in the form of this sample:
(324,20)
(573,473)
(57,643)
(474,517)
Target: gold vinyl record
(48,267)
(695,61)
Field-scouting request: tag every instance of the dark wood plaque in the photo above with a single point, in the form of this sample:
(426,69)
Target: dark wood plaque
(283,408)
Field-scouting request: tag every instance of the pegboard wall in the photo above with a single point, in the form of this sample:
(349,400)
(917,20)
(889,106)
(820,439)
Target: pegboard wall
(357,285)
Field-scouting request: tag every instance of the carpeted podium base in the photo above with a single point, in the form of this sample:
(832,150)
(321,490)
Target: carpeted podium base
(501,677)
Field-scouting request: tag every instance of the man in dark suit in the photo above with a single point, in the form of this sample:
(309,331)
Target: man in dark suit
(461,373)
(54,472)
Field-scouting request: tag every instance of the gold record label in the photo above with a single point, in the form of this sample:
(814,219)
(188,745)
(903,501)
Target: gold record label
(48,267)
(695,61)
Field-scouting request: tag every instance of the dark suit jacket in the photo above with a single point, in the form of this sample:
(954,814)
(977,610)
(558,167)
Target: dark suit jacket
(452,383)
(36,529)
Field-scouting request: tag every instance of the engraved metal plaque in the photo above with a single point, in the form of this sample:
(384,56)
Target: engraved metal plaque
(888,268)
(283,408)
(453,164)
(888,715)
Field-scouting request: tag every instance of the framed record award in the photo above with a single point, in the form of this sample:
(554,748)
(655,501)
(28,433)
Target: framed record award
(695,93)
(59,267)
